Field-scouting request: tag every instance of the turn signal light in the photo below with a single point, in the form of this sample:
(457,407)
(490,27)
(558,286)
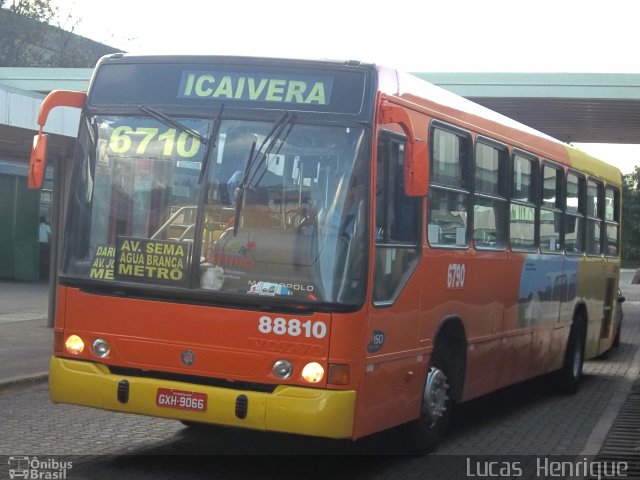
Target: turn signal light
(74,344)
(338,374)
(58,341)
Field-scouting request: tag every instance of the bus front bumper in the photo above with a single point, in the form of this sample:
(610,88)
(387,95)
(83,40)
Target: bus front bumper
(289,409)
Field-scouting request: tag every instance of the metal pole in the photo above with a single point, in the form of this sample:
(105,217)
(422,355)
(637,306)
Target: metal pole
(57,204)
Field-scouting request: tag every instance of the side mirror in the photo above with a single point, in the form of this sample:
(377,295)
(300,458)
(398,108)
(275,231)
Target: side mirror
(416,152)
(37,163)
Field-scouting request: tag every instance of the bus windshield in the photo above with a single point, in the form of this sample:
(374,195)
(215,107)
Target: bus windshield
(272,209)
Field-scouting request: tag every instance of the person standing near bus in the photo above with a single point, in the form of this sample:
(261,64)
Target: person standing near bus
(44,238)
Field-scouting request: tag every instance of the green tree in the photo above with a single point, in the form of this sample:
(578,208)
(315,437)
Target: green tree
(23,38)
(34,35)
(631,215)
(40,10)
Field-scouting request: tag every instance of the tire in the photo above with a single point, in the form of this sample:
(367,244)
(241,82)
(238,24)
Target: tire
(427,431)
(568,377)
(193,425)
(201,427)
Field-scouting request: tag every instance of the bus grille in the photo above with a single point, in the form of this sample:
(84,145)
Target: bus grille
(177,377)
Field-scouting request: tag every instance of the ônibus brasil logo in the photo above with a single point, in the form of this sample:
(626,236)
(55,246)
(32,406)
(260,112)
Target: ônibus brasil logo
(36,468)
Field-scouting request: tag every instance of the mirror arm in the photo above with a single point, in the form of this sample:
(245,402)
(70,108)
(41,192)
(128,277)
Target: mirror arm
(37,163)
(393,114)
(416,156)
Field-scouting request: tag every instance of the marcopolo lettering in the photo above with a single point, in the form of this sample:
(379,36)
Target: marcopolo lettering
(254,87)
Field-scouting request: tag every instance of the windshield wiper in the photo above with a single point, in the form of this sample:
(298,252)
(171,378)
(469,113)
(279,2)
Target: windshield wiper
(213,136)
(240,198)
(258,157)
(167,120)
(279,137)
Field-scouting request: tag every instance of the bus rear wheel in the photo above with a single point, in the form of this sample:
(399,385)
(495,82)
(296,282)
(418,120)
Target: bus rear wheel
(568,377)
(435,410)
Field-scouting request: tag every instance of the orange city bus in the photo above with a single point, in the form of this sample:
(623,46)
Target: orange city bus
(320,248)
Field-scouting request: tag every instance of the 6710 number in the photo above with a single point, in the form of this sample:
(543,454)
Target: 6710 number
(143,140)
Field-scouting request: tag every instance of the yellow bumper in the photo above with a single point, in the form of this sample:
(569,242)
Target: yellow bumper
(290,409)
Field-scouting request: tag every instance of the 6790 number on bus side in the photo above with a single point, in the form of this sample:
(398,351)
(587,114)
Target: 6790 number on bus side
(456,275)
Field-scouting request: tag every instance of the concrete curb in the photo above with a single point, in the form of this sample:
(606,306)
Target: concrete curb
(15,383)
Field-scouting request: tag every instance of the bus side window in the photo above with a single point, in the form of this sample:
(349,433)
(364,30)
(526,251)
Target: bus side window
(448,203)
(522,211)
(612,221)
(551,218)
(595,215)
(490,192)
(574,216)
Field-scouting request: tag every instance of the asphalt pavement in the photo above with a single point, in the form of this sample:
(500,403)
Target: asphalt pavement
(26,342)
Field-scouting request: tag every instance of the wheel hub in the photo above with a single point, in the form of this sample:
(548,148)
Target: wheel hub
(434,402)
(577,359)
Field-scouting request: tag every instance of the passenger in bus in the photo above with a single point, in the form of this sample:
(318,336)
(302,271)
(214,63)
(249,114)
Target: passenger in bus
(233,183)
(237,149)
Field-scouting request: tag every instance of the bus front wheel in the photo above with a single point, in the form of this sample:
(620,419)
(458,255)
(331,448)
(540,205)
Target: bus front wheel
(435,410)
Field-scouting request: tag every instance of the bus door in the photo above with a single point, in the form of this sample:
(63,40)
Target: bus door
(609,239)
(392,381)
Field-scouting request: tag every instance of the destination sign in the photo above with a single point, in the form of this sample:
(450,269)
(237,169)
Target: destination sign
(256,87)
(151,261)
(102,265)
(183,82)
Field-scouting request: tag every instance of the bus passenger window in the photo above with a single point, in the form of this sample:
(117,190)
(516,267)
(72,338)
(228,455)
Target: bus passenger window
(490,204)
(447,218)
(448,199)
(551,210)
(522,212)
(595,216)
(488,224)
(612,241)
(574,216)
(612,221)
(523,228)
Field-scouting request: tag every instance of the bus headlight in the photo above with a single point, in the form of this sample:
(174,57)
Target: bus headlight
(282,369)
(74,345)
(313,372)
(101,348)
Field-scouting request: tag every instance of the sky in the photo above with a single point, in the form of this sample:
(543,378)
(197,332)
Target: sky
(584,36)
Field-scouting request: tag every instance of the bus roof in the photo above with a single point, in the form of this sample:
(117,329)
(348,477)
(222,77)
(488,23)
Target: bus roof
(428,97)
(462,112)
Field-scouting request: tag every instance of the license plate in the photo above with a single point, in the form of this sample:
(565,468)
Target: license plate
(182,399)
